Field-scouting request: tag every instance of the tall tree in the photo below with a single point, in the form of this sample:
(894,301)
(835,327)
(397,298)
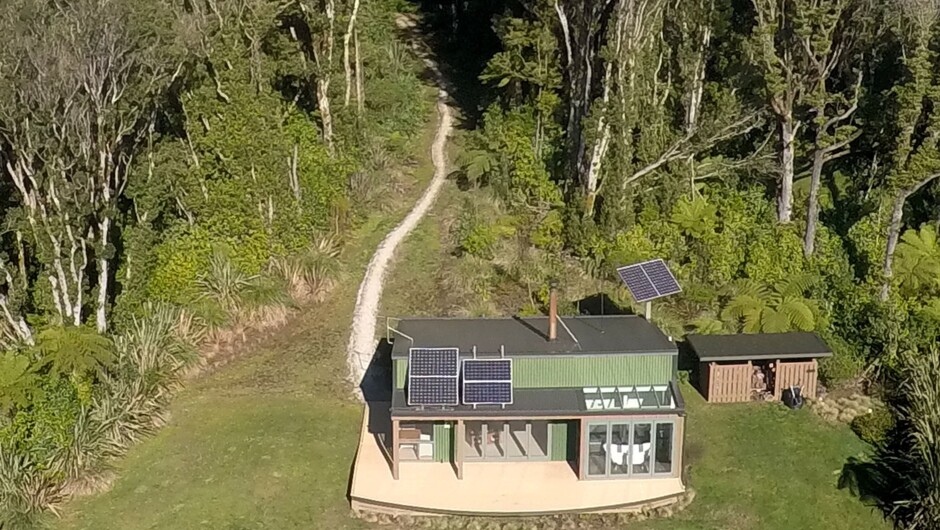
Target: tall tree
(318,38)
(797,46)
(348,67)
(79,87)
(827,30)
(652,106)
(583,27)
(915,160)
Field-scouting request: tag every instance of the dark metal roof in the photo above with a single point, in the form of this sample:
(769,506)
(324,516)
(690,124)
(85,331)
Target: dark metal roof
(530,403)
(613,334)
(758,346)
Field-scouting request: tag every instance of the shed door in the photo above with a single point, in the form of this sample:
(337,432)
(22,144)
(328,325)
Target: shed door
(802,374)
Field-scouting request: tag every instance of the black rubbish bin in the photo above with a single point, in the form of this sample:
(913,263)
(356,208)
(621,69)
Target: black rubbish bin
(793,397)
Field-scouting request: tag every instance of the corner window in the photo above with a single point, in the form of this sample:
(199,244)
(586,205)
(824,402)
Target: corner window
(625,449)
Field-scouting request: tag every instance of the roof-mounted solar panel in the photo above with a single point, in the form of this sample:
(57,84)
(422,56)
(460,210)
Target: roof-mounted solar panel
(649,280)
(487,370)
(487,392)
(433,362)
(433,376)
(432,391)
(487,381)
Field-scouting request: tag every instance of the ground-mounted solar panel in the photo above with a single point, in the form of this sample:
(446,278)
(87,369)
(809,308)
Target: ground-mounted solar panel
(638,283)
(433,362)
(649,280)
(487,370)
(487,392)
(432,391)
(662,278)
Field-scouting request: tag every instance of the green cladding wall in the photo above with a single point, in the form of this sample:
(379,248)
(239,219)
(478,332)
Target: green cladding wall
(609,370)
(573,372)
(401,372)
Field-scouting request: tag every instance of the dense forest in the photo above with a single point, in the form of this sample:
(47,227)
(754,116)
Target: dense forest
(781,155)
(174,174)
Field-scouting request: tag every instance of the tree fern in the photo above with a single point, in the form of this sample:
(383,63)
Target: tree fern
(19,382)
(73,350)
(798,313)
(918,259)
(696,217)
(759,308)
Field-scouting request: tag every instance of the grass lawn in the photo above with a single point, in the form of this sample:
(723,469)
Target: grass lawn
(267,441)
(762,466)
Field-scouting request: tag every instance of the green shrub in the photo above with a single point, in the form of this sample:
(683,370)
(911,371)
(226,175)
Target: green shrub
(476,234)
(874,426)
(844,364)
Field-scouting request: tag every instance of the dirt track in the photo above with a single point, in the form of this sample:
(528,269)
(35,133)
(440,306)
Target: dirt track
(362,341)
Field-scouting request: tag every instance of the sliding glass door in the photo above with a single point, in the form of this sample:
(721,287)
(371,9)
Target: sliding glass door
(620,449)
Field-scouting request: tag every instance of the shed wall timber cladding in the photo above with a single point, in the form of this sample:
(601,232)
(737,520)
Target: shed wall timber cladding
(729,383)
(610,370)
(802,374)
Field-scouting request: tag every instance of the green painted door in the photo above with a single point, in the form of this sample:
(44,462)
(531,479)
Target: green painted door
(444,442)
(559,440)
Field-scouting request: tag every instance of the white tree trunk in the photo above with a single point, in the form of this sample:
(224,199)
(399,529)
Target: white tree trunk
(812,212)
(697,89)
(360,90)
(785,190)
(894,232)
(599,151)
(326,116)
(347,39)
(101,313)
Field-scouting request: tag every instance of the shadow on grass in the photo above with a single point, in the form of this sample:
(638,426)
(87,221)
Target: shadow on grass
(873,482)
(869,481)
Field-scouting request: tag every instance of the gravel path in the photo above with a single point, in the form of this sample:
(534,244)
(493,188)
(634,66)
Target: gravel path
(362,341)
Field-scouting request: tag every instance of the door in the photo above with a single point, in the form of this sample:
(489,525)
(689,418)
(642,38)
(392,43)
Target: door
(629,449)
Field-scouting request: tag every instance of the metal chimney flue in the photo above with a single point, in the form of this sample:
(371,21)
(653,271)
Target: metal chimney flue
(553,314)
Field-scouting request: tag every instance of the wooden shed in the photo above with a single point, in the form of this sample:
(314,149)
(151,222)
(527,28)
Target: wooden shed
(758,366)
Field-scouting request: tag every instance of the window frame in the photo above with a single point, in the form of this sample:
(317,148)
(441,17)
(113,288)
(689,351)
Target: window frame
(609,424)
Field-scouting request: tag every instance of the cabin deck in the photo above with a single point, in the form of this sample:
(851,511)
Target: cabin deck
(492,488)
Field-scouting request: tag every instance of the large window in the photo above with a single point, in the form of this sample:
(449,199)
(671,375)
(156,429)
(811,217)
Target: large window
(506,440)
(620,449)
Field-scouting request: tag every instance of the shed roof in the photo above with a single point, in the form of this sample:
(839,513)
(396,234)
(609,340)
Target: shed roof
(611,334)
(758,346)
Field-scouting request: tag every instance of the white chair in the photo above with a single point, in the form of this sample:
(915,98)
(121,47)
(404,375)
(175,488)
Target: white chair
(640,452)
(617,452)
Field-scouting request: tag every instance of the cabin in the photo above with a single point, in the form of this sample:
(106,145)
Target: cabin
(525,416)
(759,366)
